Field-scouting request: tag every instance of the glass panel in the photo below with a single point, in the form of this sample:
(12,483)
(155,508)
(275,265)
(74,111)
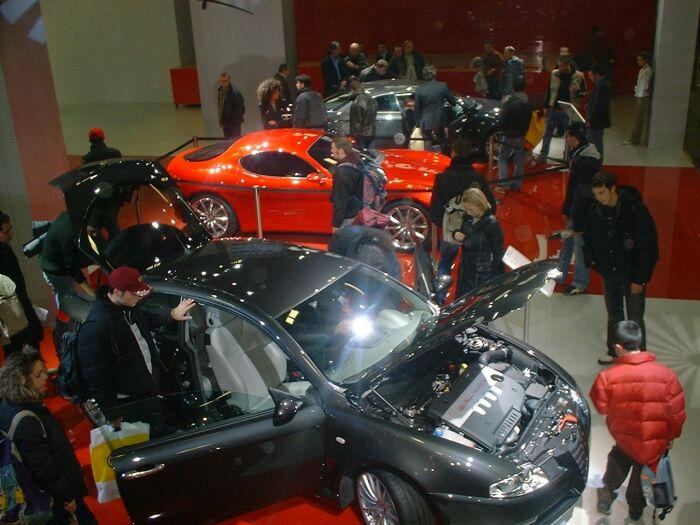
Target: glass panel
(276,164)
(387,103)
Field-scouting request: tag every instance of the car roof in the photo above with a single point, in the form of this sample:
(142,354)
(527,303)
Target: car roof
(272,276)
(278,138)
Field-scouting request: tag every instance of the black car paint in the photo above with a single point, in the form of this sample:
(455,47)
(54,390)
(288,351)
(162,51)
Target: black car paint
(333,437)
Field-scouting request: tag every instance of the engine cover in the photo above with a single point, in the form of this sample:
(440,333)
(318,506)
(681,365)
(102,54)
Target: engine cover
(482,403)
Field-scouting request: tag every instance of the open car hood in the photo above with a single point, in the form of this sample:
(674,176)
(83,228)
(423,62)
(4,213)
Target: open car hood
(499,296)
(129,212)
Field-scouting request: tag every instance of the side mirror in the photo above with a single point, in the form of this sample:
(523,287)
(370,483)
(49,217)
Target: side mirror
(286,406)
(315,177)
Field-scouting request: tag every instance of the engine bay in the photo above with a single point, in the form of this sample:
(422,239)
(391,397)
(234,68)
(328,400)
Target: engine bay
(489,395)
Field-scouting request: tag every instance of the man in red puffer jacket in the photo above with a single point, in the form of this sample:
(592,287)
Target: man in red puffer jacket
(645,409)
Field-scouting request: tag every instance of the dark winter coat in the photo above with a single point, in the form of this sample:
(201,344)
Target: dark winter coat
(400,67)
(584,163)
(598,115)
(268,114)
(309,110)
(60,254)
(363,115)
(110,358)
(49,459)
(458,176)
(100,151)
(287,97)
(346,194)
(429,109)
(644,404)
(516,115)
(482,252)
(331,76)
(621,241)
(233,108)
(34,332)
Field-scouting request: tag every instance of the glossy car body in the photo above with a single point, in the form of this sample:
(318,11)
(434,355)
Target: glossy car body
(472,118)
(292,172)
(302,372)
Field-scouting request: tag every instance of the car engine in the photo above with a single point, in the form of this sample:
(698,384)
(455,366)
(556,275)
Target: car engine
(490,397)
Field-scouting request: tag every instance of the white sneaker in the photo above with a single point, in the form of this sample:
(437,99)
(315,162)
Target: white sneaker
(605,359)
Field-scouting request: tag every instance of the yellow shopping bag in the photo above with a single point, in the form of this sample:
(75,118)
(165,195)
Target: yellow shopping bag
(103,441)
(535,131)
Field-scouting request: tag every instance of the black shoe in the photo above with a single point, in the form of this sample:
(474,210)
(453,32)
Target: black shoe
(605,359)
(573,290)
(605,500)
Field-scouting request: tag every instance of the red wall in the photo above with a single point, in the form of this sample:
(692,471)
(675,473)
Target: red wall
(453,27)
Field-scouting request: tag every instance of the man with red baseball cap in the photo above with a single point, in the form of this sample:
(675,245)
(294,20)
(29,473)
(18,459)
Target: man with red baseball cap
(98,149)
(117,355)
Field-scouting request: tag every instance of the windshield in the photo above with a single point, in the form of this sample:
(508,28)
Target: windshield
(362,319)
(336,102)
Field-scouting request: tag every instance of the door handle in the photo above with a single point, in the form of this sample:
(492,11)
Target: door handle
(136,474)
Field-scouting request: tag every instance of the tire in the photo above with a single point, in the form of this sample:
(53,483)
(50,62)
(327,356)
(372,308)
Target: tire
(386,499)
(216,215)
(409,223)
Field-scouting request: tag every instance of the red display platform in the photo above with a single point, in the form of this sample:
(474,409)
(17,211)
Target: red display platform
(185,85)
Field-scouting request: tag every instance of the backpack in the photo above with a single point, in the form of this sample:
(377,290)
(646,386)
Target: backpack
(70,381)
(373,185)
(21,499)
(658,487)
(452,219)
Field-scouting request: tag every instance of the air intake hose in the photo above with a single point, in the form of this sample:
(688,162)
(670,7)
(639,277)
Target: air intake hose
(501,353)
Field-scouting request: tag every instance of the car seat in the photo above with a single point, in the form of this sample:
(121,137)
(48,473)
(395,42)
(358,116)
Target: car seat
(233,369)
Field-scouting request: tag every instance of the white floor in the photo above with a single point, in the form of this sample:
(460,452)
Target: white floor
(570,329)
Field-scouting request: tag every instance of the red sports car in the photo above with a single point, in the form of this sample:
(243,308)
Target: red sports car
(291,169)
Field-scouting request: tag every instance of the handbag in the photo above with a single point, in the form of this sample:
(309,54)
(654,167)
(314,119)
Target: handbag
(103,441)
(12,317)
(371,218)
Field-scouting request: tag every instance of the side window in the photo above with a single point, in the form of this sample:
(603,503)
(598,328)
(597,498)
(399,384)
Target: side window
(234,363)
(387,103)
(276,164)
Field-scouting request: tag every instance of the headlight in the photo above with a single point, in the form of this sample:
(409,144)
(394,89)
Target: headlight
(529,479)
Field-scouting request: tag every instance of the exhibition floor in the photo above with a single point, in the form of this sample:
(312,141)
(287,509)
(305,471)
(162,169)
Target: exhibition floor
(569,329)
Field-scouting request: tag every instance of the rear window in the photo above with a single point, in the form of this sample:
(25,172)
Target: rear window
(337,102)
(208,152)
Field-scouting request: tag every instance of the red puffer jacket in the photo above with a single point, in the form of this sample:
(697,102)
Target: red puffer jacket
(644,403)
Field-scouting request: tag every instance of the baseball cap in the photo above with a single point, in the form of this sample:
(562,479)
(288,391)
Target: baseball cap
(130,280)
(96,134)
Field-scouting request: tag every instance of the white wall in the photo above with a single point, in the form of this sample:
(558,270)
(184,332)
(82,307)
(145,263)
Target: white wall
(248,47)
(111,51)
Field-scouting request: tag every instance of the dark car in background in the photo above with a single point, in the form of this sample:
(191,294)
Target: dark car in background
(302,372)
(473,118)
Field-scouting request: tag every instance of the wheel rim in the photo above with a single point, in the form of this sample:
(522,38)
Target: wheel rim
(407,226)
(375,502)
(213,215)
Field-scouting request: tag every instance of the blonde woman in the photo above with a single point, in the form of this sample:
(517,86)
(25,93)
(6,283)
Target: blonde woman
(481,236)
(46,452)
(271,111)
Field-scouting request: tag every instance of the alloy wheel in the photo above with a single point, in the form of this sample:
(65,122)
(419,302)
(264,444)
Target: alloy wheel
(408,225)
(376,505)
(213,214)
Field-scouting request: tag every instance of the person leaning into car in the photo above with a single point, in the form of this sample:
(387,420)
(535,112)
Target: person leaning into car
(346,195)
(430,108)
(117,354)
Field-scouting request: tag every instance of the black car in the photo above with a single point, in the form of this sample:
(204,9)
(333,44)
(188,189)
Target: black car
(302,372)
(473,118)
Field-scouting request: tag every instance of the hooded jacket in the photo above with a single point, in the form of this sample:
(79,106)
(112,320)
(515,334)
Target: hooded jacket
(584,163)
(644,404)
(621,241)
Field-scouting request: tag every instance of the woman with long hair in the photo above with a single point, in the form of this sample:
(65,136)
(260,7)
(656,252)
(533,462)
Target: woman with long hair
(271,111)
(481,236)
(46,452)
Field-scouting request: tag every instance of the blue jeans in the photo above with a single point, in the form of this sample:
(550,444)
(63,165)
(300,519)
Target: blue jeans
(556,118)
(618,296)
(570,246)
(511,146)
(595,137)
